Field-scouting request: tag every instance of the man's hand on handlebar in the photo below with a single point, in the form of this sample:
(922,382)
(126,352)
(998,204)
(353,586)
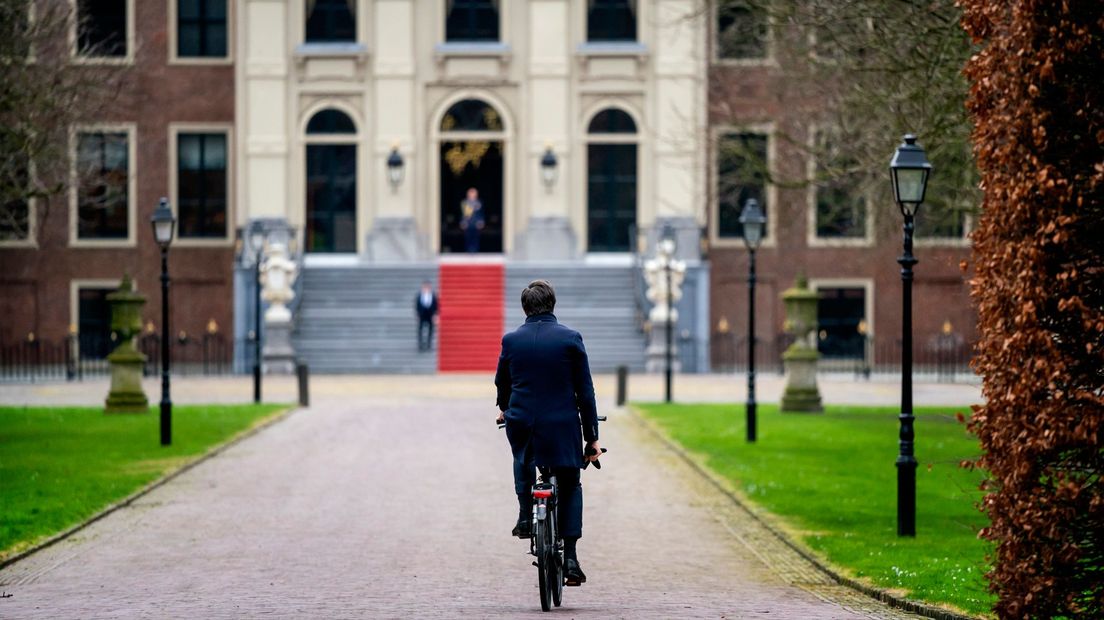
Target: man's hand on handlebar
(593,451)
(501,419)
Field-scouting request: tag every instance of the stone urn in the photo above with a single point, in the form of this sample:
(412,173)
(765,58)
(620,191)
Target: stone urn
(126,395)
(800,359)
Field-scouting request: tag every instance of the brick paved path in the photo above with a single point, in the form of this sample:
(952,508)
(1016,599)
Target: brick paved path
(372,505)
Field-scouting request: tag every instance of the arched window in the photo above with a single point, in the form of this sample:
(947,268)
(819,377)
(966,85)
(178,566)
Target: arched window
(471,115)
(330,121)
(611,20)
(331,21)
(611,181)
(331,183)
(611,120)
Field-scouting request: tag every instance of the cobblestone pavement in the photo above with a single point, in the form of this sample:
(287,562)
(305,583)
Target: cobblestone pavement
(378,504)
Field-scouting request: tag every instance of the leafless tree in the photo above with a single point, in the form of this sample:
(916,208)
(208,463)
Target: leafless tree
(44,92)
(865,72)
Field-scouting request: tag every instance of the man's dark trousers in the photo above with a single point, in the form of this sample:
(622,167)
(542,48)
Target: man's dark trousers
(425,325)
(569,491)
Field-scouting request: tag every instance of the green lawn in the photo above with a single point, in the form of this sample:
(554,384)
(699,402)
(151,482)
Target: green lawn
(59,466)
(831,481)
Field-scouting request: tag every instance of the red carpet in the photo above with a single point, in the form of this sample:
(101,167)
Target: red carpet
(470,332)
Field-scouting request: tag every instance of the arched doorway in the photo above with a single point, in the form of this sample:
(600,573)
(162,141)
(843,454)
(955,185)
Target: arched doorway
(331,183)
(472,136)
(611,181)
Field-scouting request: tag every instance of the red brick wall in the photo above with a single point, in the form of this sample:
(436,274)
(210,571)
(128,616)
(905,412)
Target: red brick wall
(35,283)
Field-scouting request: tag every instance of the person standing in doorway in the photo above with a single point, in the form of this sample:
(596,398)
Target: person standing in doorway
(471,220)
(425,304)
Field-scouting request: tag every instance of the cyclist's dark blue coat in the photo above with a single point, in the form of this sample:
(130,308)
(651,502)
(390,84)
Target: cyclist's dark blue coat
(545,389)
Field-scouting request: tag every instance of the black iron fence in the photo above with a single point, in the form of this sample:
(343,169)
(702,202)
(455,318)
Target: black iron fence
(85,355)
(942,358)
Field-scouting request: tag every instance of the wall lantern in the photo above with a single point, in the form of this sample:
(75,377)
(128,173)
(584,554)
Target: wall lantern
(548,168)
(395,167)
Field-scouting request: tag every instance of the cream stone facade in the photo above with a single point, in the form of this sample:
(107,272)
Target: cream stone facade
(545,81)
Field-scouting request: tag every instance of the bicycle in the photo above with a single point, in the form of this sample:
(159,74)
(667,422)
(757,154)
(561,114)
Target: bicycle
(546,544)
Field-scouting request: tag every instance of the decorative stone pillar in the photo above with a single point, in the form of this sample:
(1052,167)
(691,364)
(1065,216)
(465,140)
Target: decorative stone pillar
(655,274)
(800,359)
(126,395)
(278,273)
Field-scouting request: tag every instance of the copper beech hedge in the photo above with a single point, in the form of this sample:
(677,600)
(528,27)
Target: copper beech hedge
(1037,101)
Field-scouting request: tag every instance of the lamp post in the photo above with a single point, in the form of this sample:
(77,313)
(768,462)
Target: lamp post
(256,242)
(909,170)
(164,223)
(753,221)
(395,168)
(548,167)
(668,245)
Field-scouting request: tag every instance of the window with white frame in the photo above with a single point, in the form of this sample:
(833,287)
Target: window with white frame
(201,30)
(331,21)
(742,30)
(742,174)
(103,185)
(611,20)
(840,201)
(202,185)
(471,20)
(102,28)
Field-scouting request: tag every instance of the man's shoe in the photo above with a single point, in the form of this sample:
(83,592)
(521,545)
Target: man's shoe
(573,575)
(523,529)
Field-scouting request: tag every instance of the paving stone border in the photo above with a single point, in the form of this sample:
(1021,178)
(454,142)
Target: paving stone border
(130,499)
(879,594)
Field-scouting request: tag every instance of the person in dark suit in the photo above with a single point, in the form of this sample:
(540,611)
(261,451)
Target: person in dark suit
(425,305)
(546,398)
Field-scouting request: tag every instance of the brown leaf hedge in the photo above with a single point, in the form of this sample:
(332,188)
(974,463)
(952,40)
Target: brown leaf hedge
(1037,99)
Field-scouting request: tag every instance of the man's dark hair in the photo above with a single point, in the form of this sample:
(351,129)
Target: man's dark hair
(538,298)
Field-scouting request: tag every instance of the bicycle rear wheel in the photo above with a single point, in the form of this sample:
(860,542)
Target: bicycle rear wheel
(545,562)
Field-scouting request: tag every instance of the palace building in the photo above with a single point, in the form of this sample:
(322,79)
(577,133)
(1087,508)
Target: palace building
(354,130)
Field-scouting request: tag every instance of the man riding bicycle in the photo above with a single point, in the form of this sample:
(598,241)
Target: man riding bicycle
(545,394)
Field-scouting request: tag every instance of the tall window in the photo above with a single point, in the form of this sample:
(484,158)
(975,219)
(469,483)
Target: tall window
(611,181)
(471,20)
(611,20)
(103,168)
(331,21)
(741,174)
(840,203)
(201,28)
(937,220)
(201,185)
(102,28)
(94,322)
(331,183)
(741,31)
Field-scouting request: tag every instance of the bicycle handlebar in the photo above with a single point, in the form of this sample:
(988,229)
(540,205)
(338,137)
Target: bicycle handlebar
(588,451)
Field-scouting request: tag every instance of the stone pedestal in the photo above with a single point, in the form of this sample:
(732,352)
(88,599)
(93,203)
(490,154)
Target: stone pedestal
(657,349)
(547,238)
(801,393)
(800,359)
(126,395)
(395,239)
(277,353)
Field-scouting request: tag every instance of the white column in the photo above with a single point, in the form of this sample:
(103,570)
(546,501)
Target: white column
(398,232)
(261,94)
(548,232)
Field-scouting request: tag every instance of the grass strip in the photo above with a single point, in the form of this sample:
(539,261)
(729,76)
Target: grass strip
(831,482)
(61,465)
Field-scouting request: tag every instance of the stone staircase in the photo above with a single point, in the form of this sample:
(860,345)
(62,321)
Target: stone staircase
(360,318)
(595,300)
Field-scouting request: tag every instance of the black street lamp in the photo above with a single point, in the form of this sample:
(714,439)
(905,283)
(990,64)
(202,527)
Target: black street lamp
(909,170)
(753,221)
(256,243)
(548,168)
(164,223)
(668,245)
(395,168)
